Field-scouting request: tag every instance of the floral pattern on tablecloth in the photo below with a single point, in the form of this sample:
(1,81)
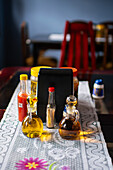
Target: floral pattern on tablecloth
(38,164)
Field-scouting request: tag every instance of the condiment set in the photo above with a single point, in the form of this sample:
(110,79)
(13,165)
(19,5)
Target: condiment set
(32,125)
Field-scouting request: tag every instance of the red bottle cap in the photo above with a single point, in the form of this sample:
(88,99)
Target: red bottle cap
(51,89)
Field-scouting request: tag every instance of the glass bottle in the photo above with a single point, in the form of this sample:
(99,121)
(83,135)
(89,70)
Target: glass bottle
(69,126)
(22,97)
(34,78)
(32,125)
(51,107)
(71,101)
(98,95)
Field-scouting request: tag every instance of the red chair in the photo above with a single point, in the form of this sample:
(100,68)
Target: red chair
(81,35)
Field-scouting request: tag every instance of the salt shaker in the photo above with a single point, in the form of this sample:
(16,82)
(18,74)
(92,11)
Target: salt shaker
(98,89)
(98,95)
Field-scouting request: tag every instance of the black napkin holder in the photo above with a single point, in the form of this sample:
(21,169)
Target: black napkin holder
(62,80)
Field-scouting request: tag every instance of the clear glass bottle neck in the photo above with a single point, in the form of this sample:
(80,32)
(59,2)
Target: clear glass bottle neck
(51,98)
(23,86)
(72,112)
(31,110)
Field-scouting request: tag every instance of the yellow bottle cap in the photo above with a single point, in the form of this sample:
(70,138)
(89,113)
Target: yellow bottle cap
(23,77)
(35,70)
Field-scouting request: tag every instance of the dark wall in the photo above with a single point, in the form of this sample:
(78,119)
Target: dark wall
(12,45)
(43,16)
(1,34)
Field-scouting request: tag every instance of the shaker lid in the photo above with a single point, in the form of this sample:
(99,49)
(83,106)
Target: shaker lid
(99,81)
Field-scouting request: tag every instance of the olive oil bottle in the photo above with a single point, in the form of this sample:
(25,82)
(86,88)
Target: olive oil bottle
(69,126)
(32,125)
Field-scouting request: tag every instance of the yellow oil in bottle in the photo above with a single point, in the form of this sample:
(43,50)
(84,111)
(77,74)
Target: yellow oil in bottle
(32,126)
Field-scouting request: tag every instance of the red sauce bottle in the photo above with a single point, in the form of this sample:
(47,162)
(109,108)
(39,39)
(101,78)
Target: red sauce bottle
(22,97)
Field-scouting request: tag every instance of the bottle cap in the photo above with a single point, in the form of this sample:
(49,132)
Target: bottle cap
(23,77)
(71,100)
(51,89)
(35,70)
(75,71)
(99,82)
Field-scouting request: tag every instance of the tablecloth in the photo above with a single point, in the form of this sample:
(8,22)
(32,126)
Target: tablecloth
(86,153)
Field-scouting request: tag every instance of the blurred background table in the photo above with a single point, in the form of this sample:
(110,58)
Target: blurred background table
(54,41)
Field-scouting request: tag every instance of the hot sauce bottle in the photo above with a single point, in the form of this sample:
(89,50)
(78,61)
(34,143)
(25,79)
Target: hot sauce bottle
(51,107)
(22,97)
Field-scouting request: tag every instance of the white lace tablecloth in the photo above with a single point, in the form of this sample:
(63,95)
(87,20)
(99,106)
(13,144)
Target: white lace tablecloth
(87,153)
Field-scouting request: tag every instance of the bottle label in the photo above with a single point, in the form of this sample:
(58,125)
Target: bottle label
(20,105)
(34,87)
(99,92)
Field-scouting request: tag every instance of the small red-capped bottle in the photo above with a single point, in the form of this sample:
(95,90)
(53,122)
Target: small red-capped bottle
(51,107)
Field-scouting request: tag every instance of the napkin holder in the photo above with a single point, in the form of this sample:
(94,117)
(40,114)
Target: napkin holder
(62,80)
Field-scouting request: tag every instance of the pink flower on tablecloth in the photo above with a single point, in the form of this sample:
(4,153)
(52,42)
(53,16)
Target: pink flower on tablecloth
(32,164)
(65,168)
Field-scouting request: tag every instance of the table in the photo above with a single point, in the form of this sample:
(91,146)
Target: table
(106,120)
(87,152)
(54,41)
(42,42)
